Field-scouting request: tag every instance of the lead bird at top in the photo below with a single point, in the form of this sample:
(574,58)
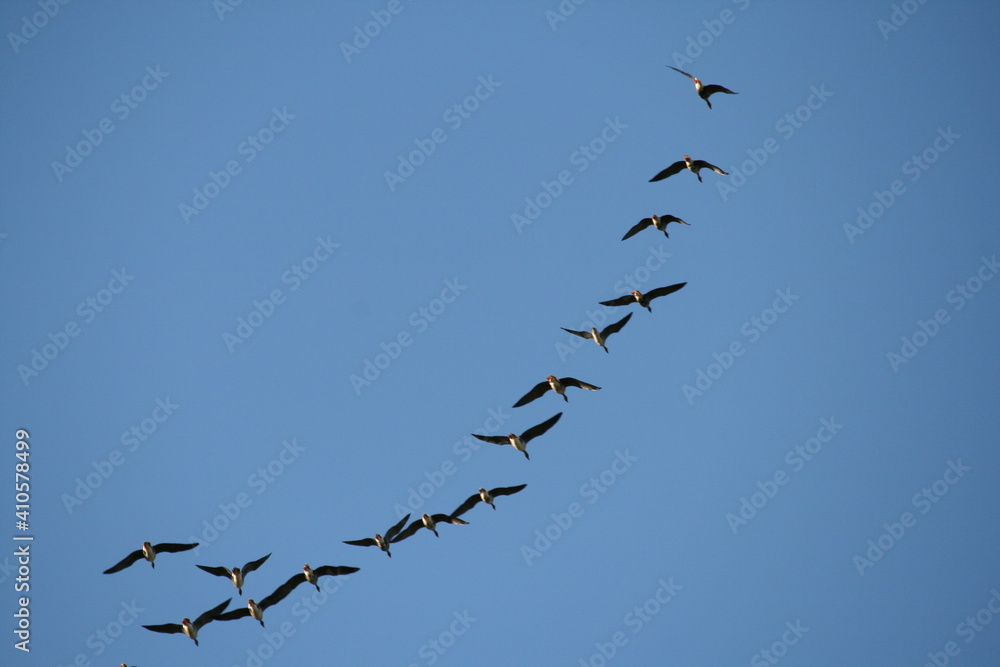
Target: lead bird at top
(704,92)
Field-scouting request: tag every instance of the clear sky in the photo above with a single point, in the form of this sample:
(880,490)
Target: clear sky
(267,265)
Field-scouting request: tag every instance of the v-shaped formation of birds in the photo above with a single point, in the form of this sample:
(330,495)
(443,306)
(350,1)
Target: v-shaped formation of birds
(401,531)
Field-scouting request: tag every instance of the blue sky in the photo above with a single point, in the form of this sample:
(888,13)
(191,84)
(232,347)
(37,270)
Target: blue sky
(266,273)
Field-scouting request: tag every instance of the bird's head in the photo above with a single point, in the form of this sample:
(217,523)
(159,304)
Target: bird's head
(550,378)
(482,492)
(637,294)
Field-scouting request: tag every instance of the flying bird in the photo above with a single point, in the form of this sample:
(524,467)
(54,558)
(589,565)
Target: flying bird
(429,522)
(187,627)
(380,541)
(520,442)
(487,497)
(687,163)
(148,551)
(643,299)
(601,336)
(236,575)
(312,576)
(660,222)
(704,92)
(557,385)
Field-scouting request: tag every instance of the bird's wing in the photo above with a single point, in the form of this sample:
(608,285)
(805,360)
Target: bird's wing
(335,570)
(211,614)
(714,88)
(217,571)
(620,301)
(367,542)
(573,382)
(506,490)
(234,614)
(253,565)
(663,291)
(682,72)
(124,562)
(169,628)
(638,227)
(675,168)
(389,534)
(168,547)
(672,218)
(535,392)
(282,591)
(616,327)
(701,164)
(495,439)
(581,334)
(469,503)
(409,530)
(444,518)
(538,429)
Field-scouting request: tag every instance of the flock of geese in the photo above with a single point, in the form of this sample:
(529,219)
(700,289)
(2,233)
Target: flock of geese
(398,532)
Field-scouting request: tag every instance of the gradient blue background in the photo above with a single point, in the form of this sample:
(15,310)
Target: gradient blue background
(364,451)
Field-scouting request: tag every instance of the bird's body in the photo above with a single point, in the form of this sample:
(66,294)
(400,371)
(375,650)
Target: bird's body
(486,497)
(236,575)
(430,522)
(659,222)
(704,92)
(601,336)
(695,166)
(557,385)
(380,541)
(148,551)
(520,442)
(189,628)
(643,299)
